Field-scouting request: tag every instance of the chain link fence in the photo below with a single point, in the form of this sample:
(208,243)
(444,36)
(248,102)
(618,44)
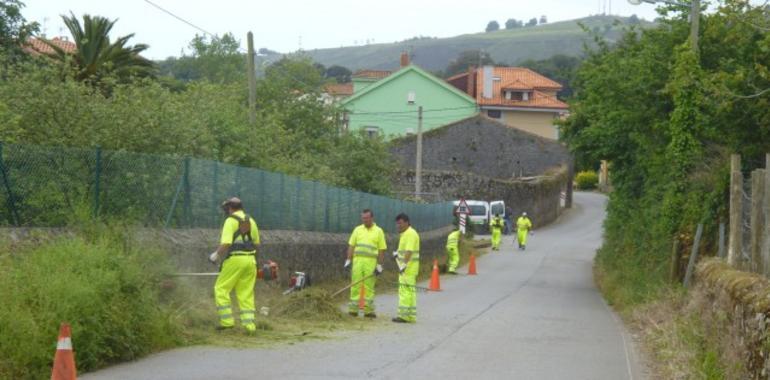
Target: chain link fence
(45,187)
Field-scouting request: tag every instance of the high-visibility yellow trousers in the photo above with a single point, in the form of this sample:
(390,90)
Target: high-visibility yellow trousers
(523,237)
(407,294)
(362,266)
(496,232)
(238,273)
(453,259)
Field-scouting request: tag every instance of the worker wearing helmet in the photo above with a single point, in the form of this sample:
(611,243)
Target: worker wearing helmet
(238,269)
(496,226)
(523,225)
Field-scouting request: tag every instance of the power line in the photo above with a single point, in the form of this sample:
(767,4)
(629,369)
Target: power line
(179,18)
(410,112)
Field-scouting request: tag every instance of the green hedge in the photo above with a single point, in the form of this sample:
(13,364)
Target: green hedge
(587,180)
(101,282)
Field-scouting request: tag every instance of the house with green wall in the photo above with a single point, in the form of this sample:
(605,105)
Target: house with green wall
(388,106)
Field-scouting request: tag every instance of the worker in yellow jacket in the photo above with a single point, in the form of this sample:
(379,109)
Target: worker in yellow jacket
(408,260)
(453,250)
(238,270)
(496,226)
(523,225)
(366,249)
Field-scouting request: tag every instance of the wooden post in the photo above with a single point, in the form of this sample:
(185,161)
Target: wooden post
(765,252)
(721,252)
(735,243)
(676,257)
(757,222)
(693,256)
(252,79)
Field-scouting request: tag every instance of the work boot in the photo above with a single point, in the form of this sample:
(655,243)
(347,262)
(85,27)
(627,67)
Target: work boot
(353,313)
(452,272)
(399,320)
(224,328)
(371,315)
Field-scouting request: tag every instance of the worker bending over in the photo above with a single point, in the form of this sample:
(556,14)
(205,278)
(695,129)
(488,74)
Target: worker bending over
(453,250)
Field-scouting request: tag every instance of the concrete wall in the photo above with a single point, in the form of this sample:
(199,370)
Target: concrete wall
(485,147)
(320,254)
(539,123)
(538,196)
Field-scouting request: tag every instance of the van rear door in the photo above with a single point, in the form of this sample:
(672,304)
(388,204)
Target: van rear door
(496,207)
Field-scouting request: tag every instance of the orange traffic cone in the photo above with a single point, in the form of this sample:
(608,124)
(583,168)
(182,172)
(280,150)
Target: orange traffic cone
(64,361)
(472,266)
(362,297)
(435,284)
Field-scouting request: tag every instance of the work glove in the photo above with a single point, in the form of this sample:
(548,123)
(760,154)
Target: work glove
(214,257)
(378,270)
(395,254)
(347,264)
(401,267)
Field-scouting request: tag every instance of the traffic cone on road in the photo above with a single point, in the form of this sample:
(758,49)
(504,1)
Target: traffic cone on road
(64,361)
(362,298)
(472,266)
(435,284)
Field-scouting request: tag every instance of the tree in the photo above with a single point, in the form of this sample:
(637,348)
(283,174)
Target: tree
(543,19)
(513,24)
(467,59)
(493,26)
(96,57)
(340,73)
(531,22)
(216,59)
(633,20)
(561,68)
(14,29)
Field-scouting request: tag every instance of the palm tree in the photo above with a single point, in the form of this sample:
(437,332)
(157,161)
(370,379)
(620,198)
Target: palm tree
(96,57)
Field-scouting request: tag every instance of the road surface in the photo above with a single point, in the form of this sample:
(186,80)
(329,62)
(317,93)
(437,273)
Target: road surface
(531,315)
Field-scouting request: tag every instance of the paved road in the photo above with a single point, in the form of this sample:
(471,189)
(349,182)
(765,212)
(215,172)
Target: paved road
(532,315)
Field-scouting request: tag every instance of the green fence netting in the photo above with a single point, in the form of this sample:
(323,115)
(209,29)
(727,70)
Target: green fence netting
(45,187)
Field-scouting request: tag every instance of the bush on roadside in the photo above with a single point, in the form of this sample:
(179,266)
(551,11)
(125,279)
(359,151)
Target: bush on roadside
(587,180)
(101,282)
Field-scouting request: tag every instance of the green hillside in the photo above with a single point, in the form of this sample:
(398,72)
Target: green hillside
(508,46)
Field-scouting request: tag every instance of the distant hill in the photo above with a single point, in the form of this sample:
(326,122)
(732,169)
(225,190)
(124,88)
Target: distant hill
(507,46)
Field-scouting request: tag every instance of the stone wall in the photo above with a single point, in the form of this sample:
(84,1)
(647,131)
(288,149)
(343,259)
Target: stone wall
(539,196)
(320,254)
(485,147)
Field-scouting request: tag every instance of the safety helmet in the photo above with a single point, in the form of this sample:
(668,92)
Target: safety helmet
(524,213)
(233,202)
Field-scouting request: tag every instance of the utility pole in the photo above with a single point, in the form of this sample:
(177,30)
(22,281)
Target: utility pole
(694,24)
(252,80)
(418,158)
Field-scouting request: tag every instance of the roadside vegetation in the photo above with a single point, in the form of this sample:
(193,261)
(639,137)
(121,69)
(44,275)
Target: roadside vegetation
(667,119)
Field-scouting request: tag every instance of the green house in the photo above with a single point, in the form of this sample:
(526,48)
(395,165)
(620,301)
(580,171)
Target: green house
(389,106)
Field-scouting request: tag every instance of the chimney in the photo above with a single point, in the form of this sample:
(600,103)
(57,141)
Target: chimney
(471,90)
(404,59)
(488,84)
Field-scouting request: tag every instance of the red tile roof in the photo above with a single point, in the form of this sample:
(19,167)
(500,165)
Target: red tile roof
(339,89)
(515,79)
(372,74)
(36,46)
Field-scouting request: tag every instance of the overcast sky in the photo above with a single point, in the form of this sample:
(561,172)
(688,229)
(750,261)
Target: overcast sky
(283,25)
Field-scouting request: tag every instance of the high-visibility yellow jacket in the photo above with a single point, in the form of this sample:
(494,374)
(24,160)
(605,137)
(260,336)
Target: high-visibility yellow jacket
(523,223)
(367,242)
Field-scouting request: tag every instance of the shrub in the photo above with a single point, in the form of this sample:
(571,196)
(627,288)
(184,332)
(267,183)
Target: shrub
(101,282)
(587,180)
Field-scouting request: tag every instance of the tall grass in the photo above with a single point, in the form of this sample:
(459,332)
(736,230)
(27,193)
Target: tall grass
(100,281)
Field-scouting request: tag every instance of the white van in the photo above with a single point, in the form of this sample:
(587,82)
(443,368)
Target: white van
(479,216)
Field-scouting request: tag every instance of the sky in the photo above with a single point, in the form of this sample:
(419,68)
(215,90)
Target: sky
(287,25)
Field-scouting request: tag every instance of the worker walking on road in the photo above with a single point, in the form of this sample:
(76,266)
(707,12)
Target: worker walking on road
(496,226)
(523,225)
(366,249)
(408,259)
(453,250)
(238,269)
